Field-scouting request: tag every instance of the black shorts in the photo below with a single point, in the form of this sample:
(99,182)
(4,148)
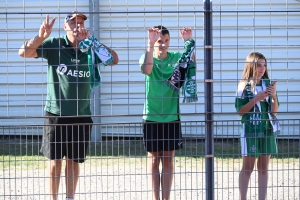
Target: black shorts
(66,136)
(164,136)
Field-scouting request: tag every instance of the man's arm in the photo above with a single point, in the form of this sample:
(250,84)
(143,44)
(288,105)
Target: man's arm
(148,60)
(28,50)
(153,35)
(114,55)
(186,33)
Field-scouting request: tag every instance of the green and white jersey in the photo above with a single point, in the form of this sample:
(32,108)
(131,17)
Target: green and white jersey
(68,85)
(161,102)
(242,100)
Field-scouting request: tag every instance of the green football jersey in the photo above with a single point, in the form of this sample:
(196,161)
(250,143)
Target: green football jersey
(68,84)
(241,100)
(161,102)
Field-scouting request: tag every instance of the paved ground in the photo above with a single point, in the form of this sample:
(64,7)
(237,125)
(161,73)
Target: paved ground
(128,181)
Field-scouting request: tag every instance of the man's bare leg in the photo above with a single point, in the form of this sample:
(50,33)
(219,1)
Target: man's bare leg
(72,174)
(167,173)
(54,170)
(153,162)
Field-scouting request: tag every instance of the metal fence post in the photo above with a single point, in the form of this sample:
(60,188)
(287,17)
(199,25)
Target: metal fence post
(208,92)
(95,96)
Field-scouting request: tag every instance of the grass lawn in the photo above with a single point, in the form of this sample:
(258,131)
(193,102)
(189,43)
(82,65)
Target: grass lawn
(20,152)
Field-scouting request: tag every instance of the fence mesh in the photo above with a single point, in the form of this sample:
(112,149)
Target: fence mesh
(116,165)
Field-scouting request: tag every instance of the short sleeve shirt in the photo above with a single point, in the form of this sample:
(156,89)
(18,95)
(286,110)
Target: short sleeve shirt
(68,84)
(161,102)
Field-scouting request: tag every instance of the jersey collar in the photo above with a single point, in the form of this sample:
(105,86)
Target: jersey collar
(67,42)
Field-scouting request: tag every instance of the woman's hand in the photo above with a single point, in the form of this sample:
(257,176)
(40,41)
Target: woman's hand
(272,90)
(262,95)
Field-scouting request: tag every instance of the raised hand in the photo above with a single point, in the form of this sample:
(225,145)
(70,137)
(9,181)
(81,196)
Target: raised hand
(82,33)
(46,28)
(153,35)
(186,33)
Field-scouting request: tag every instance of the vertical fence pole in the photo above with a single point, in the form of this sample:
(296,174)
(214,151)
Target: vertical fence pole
(208,92)
(95,100)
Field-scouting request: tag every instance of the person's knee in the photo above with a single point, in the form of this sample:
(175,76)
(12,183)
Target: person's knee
(55,165)
(247,170)
(168,163)
(168,159)
(262,171)
(154,161)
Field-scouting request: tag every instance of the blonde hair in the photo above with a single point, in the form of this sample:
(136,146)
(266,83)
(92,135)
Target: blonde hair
(249,73)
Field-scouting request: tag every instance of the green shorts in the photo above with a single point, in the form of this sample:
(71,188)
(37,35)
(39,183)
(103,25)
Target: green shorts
(251,146)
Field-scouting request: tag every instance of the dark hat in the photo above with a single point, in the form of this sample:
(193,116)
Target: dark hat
(73,15)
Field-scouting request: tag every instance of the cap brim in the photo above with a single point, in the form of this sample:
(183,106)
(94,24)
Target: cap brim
(78,15)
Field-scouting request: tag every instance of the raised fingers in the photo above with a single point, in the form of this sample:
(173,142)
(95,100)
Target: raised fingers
(186,33)
(46,23)
(83,32)
(154,30)
(186,29)
(47,20)
(154,33)
(52,22)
